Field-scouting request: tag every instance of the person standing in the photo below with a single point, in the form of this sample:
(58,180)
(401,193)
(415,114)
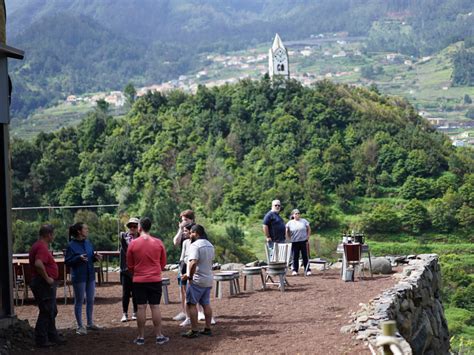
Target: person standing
(273,225)
(44,272)
(146,258)
(125,275)
(299,231)
(80,257)
(200,279)
(179,240)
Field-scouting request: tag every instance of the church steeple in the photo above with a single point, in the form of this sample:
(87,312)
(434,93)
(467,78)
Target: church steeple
(278,63)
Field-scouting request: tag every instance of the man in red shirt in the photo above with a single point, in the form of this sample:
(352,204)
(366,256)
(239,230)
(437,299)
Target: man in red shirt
(146,258)
(44,272)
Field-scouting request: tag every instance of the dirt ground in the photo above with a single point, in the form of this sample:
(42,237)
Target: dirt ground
(306,318)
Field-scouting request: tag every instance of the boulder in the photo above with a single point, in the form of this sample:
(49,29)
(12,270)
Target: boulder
(380,265)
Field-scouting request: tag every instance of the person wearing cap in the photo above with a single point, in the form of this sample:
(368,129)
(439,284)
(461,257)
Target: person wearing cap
(273,225)
(125,276)
(298,231)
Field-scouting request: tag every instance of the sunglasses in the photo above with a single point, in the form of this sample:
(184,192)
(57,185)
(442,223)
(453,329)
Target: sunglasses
(132,226)
(277,205)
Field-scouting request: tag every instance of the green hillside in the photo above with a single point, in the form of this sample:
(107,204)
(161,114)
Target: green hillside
(78,46)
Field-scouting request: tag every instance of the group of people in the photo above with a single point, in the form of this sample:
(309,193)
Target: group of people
(143,258)
(297,231)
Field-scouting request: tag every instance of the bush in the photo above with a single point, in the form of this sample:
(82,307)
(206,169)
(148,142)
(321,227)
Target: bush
(383,218)
(458,319)
(418,188)
(414,217)
(464,298)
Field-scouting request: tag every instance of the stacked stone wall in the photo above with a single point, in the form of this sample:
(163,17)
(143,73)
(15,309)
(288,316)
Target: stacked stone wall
(415,304)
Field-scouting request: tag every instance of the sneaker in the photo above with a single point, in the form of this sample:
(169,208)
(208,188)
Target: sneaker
(213,321)
(139,341)
(201,316)
(81,331)
(206,331)
(134,316)
(162,339)
(191,334)
(308,273)
(185,323)
(124,318)
(94,327)
(180,316)
(294,273)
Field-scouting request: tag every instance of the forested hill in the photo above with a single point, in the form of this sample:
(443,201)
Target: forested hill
(96,44)
(228,151)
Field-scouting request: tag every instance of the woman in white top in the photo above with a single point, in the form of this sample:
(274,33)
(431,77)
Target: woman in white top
(298,230)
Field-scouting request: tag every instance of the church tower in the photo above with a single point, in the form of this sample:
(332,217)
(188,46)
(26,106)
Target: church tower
(278,64)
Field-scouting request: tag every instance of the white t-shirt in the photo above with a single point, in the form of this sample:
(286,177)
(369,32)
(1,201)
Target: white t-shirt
(298,230)
(203,251)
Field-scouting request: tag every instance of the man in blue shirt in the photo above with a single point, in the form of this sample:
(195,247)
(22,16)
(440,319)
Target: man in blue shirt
(273,225)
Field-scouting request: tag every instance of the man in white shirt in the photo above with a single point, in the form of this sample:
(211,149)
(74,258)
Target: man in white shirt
(200,278)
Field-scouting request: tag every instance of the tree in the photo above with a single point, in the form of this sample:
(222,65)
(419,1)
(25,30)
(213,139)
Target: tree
(418,188)
(414,217)
(443,216)
(465,217)
(383,218)
(130,94)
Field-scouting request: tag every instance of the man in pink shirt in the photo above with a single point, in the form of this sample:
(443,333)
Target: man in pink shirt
(146,258)
(44,273)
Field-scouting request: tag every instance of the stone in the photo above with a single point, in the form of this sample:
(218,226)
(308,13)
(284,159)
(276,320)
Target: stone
(252,264)
(232,266)
(347,328)
(336,266)
(422,338)
(380,265)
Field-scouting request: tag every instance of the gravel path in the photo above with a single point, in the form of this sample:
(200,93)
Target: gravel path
(305,319)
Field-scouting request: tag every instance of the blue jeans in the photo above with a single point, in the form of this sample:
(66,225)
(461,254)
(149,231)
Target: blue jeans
(82,289)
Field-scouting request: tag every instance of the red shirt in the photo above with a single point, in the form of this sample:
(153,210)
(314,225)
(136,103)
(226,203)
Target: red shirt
(39,250)
(146,257)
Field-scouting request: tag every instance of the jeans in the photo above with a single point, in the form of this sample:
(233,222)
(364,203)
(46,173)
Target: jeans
(127,292)
(45,297)
(296,248)
(81,289)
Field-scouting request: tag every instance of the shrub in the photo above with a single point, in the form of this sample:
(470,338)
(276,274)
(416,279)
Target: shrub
(383,218)
(414,217)
(418,188)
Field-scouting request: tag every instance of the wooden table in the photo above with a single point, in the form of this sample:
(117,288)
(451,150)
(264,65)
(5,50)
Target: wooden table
(21,268)
(106,254)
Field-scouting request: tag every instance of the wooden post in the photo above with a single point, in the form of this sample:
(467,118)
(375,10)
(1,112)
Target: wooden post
(6,272)
(388,329)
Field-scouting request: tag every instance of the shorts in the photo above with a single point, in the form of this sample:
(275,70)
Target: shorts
(147,292)
(196,294)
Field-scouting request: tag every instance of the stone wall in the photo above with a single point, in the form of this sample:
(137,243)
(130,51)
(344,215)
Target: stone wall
(415,304)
